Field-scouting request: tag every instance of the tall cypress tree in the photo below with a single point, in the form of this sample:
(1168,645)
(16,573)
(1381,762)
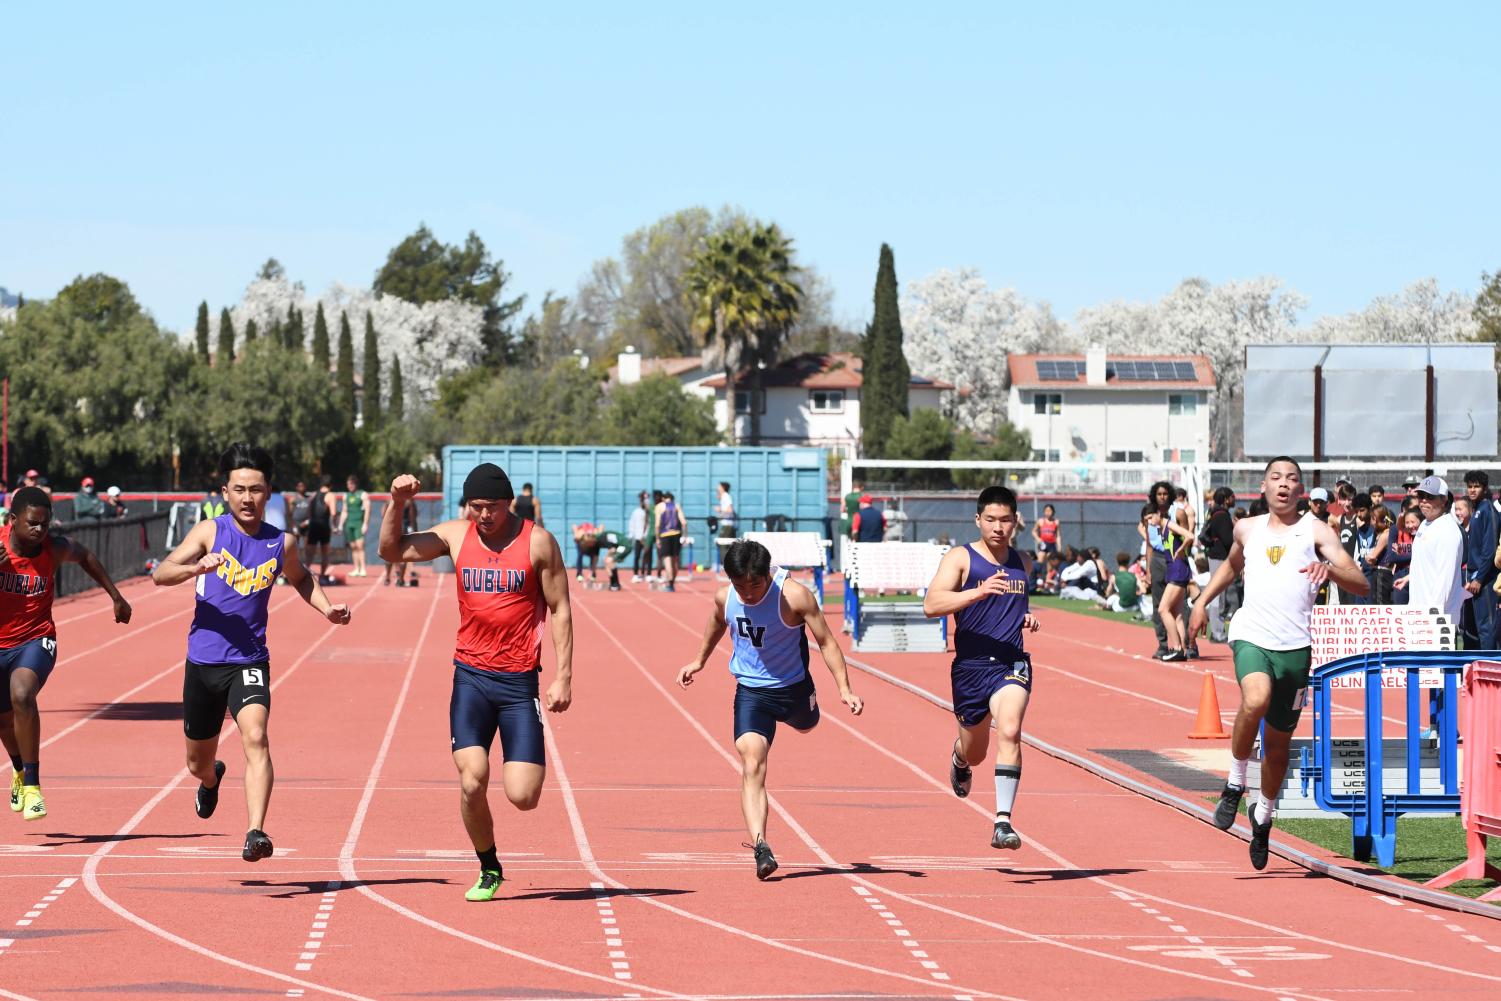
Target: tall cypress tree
(320,342)
(344,376)
(885,376)
(201,328)
(292,333)
(251,331)
(371,376)
(395,410)
(226,352)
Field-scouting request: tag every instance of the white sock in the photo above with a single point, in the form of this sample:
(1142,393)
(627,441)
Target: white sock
(1263,810)
(1238,768)
(1007,778)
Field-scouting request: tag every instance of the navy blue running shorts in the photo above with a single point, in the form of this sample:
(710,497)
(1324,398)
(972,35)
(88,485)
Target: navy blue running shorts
(39,655)
(759,710)
(975,683)
(485,702)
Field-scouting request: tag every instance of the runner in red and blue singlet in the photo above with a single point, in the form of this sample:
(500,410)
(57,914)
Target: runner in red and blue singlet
(29,558)
(510,575)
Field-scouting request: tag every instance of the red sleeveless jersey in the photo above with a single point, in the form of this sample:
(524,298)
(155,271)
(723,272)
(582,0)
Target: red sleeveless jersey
(27,586)
(500,604)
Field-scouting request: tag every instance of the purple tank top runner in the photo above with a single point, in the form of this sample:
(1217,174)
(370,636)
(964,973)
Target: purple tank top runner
(229,620)
(991,630)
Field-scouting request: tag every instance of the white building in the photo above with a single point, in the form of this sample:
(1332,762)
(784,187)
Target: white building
(812,399)
(1122,408)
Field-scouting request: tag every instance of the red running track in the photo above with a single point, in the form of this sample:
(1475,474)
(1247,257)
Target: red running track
(629,879)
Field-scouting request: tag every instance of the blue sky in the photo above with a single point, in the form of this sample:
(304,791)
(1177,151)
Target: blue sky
(1078,153)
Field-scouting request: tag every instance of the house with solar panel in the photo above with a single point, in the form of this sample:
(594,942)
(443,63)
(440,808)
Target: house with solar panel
(1112,408)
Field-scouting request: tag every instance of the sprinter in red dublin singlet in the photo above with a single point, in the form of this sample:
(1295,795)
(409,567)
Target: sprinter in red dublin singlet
(510,575)
(29,558)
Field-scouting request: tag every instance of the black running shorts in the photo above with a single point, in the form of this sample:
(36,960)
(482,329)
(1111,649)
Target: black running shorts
(209,689)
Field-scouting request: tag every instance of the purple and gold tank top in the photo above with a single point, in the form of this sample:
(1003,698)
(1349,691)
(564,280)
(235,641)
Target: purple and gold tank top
(229,620)
(991,630)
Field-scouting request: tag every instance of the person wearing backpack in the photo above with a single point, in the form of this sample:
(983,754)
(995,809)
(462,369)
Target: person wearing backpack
(669,538)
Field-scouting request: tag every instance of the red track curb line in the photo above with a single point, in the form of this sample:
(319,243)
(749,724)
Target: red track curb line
(1374,883)
(346,853)
(997,926)
(91,866)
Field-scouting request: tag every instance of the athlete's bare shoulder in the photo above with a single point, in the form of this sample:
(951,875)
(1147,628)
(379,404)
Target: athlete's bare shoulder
(1246,526)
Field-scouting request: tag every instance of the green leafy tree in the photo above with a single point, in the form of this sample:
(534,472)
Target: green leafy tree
(201,330)
(555,406)
(1488,308)
(926,435)
(95,386)
(656,411)
(396,410)
(1008,444)
(102,300)
(371,380)
(884,375)
(251,332)
(321,355)
(226,350)
(422,269)
(744,299)
(271,270)
(344,374)
(297,424)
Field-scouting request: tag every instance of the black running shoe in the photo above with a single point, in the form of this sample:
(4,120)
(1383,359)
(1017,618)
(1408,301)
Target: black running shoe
(1004,836)
(1193,653)
(1226,810)
(766,862)
(1173,656)
(207,799)
(1261,835)
(960,776)
(1159,653)
(257,846)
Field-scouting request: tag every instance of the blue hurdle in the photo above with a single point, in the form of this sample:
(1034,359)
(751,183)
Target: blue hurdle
(1373,813)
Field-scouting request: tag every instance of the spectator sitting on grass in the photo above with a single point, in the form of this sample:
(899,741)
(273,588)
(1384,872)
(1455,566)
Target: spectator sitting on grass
(1050,578)
(1123,590)
(1080,579)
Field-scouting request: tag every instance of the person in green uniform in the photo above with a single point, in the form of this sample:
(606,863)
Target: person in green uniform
(616,548)
(356,520)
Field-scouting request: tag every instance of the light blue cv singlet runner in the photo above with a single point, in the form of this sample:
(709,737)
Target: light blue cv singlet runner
(767,653)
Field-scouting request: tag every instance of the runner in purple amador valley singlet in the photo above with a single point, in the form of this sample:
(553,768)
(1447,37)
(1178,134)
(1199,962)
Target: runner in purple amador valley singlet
(235,560)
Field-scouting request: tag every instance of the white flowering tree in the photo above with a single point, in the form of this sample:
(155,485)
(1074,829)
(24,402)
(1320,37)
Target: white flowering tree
(433,340)
(958,329)
(1420,314)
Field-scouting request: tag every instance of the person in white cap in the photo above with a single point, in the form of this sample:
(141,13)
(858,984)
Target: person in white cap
(1435,578)
(114,506)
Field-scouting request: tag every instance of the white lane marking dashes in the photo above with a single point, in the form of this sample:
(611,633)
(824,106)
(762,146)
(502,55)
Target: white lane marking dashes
(899,928)
(620,964)
(316,933)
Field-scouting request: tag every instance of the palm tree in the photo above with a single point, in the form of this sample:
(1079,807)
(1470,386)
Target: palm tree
(744,300)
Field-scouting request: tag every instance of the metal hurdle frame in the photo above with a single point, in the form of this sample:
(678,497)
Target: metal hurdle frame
(1373,813)
(852,585)
(771,539)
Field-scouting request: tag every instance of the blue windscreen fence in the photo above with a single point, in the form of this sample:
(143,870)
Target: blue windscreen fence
(777,489)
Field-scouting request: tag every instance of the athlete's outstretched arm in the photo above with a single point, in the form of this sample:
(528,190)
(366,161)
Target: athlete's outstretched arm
(417,547)
(1337,565)
(1224,576)
(190,559)
(804,604)
(554,579)
(71,552)
(713,630)
(307,585)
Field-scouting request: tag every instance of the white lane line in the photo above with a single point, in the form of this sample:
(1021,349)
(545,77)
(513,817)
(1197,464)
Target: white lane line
(36,910)
(91,866)
(619,962)
(357,825)
(585,852)
(908,942)
(321,918)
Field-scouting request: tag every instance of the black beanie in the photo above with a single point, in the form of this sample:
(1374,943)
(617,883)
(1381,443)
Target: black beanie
(487,481)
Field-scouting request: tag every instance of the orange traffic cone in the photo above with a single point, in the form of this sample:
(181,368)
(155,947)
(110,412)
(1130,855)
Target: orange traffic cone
(1208,725)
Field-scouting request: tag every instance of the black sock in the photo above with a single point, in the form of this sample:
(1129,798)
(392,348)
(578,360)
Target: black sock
(488,861)
(614,578)
(31,773)
(15,762)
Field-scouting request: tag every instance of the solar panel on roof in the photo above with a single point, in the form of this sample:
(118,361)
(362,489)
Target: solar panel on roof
(1055,370)
(1184,371)
(1153,371)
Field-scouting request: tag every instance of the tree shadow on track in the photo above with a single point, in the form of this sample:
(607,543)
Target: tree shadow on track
(99,839)
(1026,877)
(853,869)
(310,887)
(586,894)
